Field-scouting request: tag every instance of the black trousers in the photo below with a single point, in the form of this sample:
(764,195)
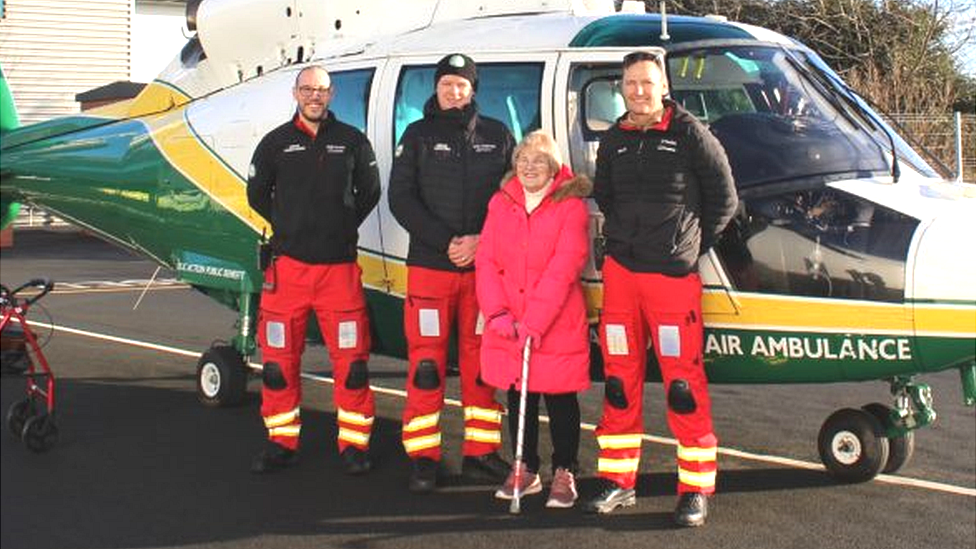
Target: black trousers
(564,428)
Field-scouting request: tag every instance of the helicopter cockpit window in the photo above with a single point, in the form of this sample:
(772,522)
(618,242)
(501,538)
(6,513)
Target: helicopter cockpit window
(818,242)
(351,100)
(509,92)
(905,150)
(777,119)
(711,86)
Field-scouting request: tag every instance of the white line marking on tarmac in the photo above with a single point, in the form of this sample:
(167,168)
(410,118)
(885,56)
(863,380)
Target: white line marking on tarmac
(109,286)
(750,456)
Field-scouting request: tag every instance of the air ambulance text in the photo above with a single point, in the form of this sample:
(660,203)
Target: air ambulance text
(828,348)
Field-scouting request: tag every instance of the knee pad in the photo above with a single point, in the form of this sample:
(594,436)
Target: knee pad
(272,376)
(614,391)
(358,375)
(426,376)
(680,397)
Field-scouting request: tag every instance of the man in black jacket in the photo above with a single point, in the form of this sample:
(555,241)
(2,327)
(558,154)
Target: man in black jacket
(446,168)
(315,180)
(665,188)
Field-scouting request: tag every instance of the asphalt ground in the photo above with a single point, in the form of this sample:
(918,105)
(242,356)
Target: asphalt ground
(140,463)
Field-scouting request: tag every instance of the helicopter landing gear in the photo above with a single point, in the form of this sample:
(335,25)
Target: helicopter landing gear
(901,447)
(221,377)
(852,445)
(222,371)
(857,445)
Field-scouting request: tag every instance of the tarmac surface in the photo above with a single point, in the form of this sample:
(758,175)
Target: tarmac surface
(141,464)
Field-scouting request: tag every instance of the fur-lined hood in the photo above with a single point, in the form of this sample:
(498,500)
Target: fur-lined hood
(565,185)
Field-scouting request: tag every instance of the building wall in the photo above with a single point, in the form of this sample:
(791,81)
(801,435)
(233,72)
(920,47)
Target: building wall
(51,50)
(158,35)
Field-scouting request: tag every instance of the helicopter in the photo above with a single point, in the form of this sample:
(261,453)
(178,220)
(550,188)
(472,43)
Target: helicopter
(840,264)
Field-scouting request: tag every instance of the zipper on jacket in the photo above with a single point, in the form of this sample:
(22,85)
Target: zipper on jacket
(465,150)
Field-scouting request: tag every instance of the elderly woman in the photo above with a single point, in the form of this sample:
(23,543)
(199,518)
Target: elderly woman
(533,248)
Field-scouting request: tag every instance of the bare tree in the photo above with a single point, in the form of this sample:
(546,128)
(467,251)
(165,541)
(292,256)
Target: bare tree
(901,54)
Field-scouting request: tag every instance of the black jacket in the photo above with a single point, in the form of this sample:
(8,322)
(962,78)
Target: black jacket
(314,192)
(666,193)
(446,169)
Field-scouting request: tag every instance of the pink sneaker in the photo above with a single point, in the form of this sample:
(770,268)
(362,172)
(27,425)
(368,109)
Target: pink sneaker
(529,484)
(562,494)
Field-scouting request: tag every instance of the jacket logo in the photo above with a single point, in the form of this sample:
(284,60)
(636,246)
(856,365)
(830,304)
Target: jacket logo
(622,150)
(335,149)
(668,145)
(484,147)
(442,147)
(294,147)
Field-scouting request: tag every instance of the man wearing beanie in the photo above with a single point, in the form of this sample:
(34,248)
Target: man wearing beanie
(446,168)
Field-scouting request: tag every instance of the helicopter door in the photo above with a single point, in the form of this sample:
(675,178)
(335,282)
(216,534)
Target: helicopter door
(350,103)
(509,90)
(592,103)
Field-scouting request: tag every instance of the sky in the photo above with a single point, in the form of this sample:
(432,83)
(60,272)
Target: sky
(967,21)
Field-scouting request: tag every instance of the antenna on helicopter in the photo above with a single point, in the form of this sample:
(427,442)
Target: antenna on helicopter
(664,23)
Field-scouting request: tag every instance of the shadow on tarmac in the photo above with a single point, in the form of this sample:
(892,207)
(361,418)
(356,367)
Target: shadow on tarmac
(150,467)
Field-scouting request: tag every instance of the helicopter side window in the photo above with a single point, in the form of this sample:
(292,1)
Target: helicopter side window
(508,92)
(351,100)
(602,104)
(595,103)
(818,242)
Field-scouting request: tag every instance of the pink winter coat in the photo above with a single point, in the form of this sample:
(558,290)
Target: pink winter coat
(530,265)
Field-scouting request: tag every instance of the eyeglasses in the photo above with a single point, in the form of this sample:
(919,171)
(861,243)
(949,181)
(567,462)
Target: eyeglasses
(307,91)
(639,56)
(534,162)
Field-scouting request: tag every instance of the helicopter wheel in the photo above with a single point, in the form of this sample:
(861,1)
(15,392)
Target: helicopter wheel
(18,414)
(40,433)
(852,445)
(221,377)
(900,449)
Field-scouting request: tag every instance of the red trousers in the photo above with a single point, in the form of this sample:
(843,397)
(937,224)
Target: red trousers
(668,309)
(335,293)
(437,300)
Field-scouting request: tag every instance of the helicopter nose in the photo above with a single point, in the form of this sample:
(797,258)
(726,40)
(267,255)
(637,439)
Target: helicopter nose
(944,288)
(945,267)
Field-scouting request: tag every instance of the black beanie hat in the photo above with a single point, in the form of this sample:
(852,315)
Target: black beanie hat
(459,64)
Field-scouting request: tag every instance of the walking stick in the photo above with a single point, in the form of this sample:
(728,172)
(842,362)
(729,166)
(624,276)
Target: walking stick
(515,507)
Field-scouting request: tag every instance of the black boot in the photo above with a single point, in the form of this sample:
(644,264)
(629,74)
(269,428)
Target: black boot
(692,509)
(273,457)
(489,468)
(355,460)
(423,478)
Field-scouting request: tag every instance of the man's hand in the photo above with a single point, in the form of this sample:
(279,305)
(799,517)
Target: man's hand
(462,249)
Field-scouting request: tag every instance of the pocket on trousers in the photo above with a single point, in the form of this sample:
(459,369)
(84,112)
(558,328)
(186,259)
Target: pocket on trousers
(425,318)
(274,331)
(617,334)
(352,331)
